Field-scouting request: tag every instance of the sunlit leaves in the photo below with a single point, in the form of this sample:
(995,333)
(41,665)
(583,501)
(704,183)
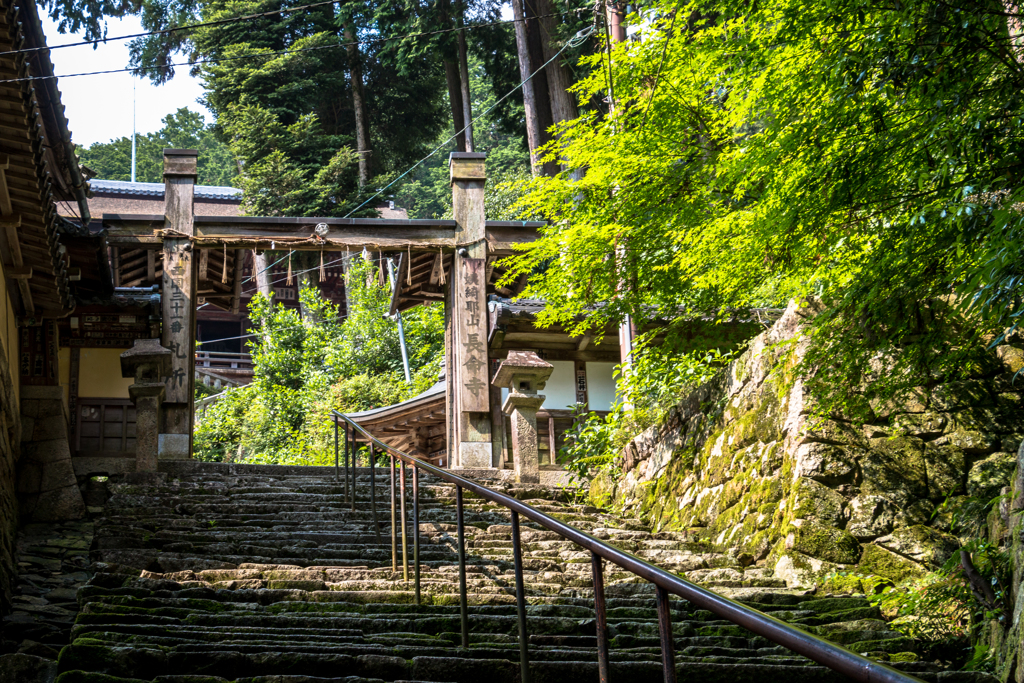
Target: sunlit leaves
(864,154)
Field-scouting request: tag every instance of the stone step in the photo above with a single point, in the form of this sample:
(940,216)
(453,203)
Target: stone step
(238,667)
(242,578)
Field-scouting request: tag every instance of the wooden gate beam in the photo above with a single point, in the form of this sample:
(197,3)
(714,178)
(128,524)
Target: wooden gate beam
(140,231)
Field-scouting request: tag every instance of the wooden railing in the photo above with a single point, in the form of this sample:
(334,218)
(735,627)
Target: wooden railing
(222,360)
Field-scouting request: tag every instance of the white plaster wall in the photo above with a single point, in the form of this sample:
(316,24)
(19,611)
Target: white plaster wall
(601,390)
(560,391)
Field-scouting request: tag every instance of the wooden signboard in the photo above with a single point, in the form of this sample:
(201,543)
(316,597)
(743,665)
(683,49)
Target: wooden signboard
(471,302)
(38,354)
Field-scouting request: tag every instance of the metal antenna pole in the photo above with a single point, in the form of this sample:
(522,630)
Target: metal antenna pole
(133,128)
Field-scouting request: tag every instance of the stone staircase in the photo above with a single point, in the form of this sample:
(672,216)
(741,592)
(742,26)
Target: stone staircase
(220,573)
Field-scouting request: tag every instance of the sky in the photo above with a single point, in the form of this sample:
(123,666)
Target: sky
(99,108)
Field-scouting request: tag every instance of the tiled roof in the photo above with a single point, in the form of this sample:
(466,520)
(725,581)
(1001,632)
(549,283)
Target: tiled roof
(102,187)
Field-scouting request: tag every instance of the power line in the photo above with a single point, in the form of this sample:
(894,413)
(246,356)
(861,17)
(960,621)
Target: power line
(220,60)
(173,29)
(575,41)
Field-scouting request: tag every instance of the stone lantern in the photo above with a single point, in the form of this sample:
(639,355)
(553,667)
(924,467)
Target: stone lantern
(524,373)
(148,363)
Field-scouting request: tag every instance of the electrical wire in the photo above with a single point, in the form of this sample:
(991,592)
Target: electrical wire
(255,275)
(221,60)
(290,327)
(173,29)
(329,263)
(309,270)
(575,41)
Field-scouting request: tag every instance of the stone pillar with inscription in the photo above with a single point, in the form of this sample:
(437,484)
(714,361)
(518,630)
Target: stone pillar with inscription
(178,300)
(524,373)
(470,399)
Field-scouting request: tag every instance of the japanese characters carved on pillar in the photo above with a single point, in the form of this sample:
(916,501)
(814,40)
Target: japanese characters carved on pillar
(472,317)
(177,311)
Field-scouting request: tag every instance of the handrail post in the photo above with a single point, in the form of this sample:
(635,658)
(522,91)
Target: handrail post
(601,615)
(394,529)
(345,465)
(668,657)
(463,599)
(350,450)
(831,655)
(524,644)
(405,540)
(336,478)
(373,494)
(416,528)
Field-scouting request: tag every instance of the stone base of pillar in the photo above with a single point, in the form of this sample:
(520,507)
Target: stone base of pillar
(525,454)
(475,456)
(147,397)
(173,447)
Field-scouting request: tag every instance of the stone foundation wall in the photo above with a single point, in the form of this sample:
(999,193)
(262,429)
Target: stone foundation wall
(1005,526)
(10,441)
(47,487)
(744,465)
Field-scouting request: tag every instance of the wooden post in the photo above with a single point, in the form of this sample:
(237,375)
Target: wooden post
(469,368)
(178,301)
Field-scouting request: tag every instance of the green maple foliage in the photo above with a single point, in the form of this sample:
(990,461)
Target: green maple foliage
(864,155)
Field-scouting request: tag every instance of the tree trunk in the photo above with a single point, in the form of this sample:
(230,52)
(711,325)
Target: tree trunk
(467,99)
(355,70)
(451,76)
(535,99)
(454,82)
(261,269)
(563,104)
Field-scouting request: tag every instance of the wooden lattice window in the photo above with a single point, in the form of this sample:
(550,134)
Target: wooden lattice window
(105,426)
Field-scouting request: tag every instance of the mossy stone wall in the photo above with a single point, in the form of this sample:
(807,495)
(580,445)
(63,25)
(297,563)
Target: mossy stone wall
(744,464)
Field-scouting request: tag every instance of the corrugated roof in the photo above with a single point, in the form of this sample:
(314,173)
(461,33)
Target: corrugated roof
(157,189)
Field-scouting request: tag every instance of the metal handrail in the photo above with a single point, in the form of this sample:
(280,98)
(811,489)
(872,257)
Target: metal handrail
(822,651)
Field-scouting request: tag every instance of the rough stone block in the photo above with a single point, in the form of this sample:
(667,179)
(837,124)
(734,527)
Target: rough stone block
(970,442)
(824,462)
(814,501)
(47,427)
(801,571)
(922,425)
(945,466)
(25,668)
(878,561)
(895,465)
(57,476)
(822,542)
(870,516)
(921,544)
(46,452)
(988,476)
(475,455)
(174,447)
(963,394)
(54,506)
